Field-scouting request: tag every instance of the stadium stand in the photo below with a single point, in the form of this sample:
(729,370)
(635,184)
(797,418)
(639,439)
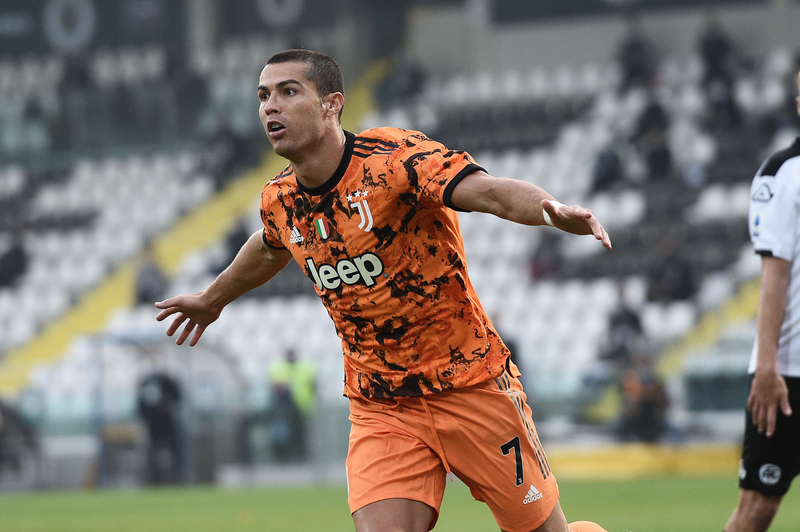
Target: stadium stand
(88,220)
(567,124)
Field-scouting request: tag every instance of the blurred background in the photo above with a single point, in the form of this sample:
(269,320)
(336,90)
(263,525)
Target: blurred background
(131,161)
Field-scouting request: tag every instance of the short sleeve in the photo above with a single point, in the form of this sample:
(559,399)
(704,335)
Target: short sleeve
(773,212)
(271,234)
(433,170)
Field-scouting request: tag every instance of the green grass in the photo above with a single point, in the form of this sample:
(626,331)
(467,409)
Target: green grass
(658,504)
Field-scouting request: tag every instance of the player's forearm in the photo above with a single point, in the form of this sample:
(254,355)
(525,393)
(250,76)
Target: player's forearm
(772,302)
(510,199)
(254,265)
(519,201)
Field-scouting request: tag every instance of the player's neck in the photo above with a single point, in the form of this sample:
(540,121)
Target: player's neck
(313,171)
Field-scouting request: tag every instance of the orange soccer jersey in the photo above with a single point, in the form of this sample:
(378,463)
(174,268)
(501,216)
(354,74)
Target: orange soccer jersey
(383,246)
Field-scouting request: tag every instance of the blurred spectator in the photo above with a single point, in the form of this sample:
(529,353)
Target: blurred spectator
(234,241)
(14,262)
(76,72)
(159,398)
(18,439)
(151,283)
(608,172)
(788,117)
(293,402)
(653,119)
(717,52)
(624,332)
(644,404)
(723,113)
(225,154)
(38,125)
(652,139)
(716,49)
(547,257)
(123,111)
(186,81)
(672,277)
(635,57)
(404,81)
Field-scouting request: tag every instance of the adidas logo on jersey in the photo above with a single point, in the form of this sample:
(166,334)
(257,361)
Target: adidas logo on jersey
(296,237)
(533,495)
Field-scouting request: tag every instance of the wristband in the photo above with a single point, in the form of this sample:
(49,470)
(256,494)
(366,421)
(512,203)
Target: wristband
(546,216)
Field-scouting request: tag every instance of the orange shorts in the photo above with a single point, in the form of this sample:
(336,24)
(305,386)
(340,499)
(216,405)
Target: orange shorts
(484,434)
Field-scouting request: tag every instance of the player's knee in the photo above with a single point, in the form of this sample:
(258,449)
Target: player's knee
(585,526)
(755,507)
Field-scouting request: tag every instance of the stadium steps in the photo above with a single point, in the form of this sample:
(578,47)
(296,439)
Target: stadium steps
(199,229)
(205,225)
(636,460)
(738,309)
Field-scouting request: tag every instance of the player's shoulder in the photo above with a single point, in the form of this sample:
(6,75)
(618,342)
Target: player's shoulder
(392,135)
(283,178)
(387,140)
(280,182)
(787,159)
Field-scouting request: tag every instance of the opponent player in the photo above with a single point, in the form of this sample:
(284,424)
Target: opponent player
(371,218)
(771,451)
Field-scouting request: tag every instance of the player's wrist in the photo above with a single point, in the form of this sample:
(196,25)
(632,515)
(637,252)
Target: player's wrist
(546,215)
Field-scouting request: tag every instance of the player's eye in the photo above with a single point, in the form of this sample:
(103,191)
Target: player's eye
(290,92)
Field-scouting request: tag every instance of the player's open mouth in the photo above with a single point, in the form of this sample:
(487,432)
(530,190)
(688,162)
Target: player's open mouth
(274,128)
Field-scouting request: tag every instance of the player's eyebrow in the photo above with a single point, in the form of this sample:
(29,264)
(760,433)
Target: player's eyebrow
(280,84)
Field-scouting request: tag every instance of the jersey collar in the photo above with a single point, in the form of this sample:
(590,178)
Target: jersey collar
(330,184)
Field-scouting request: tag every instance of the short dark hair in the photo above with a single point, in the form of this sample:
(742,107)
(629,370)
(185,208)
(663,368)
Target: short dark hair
(321,69)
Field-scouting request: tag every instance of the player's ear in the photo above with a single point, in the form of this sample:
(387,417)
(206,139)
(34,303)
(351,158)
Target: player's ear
(333,103)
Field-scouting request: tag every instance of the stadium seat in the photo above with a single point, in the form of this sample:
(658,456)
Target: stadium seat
(558,323)
(12,181)
(715,289)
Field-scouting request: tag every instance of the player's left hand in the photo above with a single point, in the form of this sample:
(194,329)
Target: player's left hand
(768,394)
(576,220)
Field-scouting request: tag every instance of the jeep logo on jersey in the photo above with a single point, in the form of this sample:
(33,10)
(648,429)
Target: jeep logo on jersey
(362,269)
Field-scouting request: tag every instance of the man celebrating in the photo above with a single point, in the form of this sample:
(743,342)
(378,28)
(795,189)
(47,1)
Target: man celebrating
(371,218)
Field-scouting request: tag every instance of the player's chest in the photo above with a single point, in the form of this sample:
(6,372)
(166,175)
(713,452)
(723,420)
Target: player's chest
(355,217)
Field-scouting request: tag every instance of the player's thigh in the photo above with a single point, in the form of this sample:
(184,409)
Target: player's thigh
(494,448)
(387,460)
(769,464)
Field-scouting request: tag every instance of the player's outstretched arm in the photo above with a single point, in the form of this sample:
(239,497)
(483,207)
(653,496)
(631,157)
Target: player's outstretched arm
(768,392)
(254,265)
(524,203)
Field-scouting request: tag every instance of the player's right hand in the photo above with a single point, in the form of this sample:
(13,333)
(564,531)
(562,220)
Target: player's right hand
(191,307)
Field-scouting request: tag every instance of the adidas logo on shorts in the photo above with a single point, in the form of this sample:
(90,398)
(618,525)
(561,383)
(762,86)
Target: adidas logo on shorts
(533,495)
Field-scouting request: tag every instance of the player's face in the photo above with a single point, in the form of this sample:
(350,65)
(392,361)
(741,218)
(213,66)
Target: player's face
(290,109)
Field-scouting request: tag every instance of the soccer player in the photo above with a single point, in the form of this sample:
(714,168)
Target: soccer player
(771,451)
(371,218)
